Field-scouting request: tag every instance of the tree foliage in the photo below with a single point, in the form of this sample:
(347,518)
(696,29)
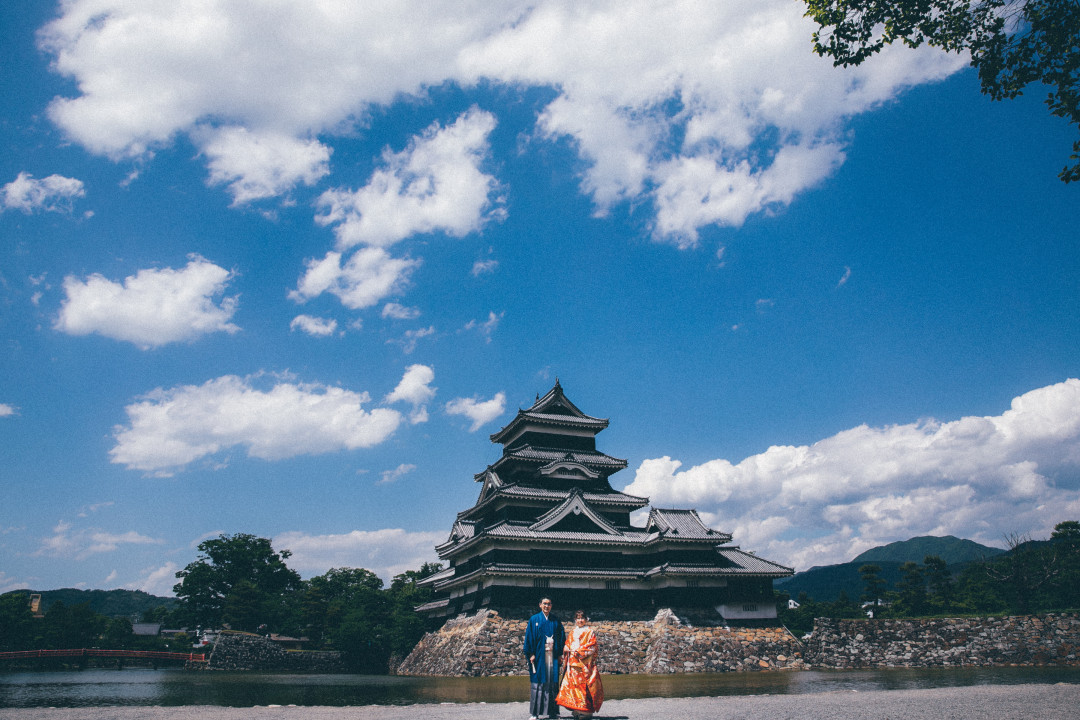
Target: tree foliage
(238,579)
(1012,43)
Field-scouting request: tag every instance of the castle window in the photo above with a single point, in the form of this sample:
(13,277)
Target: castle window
(750,607)
(612,584)
(693,583)
(541,582)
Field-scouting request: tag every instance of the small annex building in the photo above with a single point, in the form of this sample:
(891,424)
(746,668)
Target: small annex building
(548,522)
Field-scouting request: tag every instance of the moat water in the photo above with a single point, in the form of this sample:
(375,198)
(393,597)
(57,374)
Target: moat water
(145,687)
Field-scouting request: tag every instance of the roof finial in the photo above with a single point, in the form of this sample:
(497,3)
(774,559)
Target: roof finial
(557,381)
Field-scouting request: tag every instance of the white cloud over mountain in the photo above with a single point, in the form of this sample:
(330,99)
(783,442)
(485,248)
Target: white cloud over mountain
(708,111)
(169,429)
(976,478)
(385,552)
(151,308)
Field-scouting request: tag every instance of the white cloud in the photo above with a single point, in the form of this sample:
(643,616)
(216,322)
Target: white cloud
(484,267)
(708,111)
(54,193)
(8,410)
(436,184)
(260,165)
(397,311)
(415,388)
(976,477)
(409,340)
(81,544)
(152,307)
(487,327)
(389,476)
(479,411)
(7,583)
(845,277)
(370,275)
(386,553)
(157,581)
(169,429)
(319,327)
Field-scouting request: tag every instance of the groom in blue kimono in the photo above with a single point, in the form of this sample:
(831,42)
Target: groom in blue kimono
(544,640)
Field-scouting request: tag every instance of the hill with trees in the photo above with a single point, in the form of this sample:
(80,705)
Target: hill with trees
(953,550)
(131,604)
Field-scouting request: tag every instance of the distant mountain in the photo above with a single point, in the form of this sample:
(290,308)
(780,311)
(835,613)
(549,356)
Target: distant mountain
(952,550)
(113,603)
(825,583)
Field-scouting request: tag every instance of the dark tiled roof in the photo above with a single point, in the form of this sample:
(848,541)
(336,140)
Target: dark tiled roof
(749,564)
(684,524)
(546,455)
(573,504)
(668,569)
(607,498)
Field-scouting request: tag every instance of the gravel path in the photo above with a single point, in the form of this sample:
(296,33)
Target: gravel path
(979,702)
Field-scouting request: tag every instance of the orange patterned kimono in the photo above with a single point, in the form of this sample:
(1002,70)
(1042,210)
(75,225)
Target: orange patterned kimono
(581,689)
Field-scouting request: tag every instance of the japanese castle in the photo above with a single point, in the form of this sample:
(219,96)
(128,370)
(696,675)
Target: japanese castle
(547,522)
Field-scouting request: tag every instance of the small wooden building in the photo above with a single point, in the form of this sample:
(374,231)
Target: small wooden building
(548,522)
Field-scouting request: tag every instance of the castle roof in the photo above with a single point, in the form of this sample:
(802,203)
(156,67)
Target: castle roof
(555,412)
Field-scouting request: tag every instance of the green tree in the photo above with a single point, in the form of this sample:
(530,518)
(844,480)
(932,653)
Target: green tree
(72,626)
(909,600)
(1012,43)
(941,590)
(16,622)
(873,585)
(233,571)
(1066,584)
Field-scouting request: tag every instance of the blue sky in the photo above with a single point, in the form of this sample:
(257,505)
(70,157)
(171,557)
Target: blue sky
(281,269)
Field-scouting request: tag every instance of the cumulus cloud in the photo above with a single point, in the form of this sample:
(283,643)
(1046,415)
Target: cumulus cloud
(259,165)
(367,277)
(436,184)
(487,327)
(479,411)
(80,544)
(976,477)
(708,111)
(152,307)
(484,267)
(8,410)
(397,311)
(8,583)
(319,327)
(389,476)
(157,581)
(410,338)
(386,552)
(54,193)
(415,388)
(169,429)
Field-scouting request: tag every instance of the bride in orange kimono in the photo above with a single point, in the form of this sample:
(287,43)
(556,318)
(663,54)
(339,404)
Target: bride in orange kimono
(581,691)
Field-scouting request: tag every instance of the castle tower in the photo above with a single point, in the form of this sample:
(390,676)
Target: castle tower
(547,522)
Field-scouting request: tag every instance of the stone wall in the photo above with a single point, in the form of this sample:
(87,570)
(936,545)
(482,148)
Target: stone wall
(1022,640)
(488,643)
(242,651)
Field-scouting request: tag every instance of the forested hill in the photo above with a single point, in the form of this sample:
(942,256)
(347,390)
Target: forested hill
(111,603)
(825,583)
(952,550)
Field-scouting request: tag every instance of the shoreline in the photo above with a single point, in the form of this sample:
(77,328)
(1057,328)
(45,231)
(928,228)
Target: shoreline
(1001,702)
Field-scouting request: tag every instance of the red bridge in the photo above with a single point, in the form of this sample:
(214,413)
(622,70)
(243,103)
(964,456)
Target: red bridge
(94,652)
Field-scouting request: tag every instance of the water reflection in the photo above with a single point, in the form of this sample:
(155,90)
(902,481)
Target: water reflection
(176,687)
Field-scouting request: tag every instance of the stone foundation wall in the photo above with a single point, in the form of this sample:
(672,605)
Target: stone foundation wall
(489,644)
(1022,640)
(240,651)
